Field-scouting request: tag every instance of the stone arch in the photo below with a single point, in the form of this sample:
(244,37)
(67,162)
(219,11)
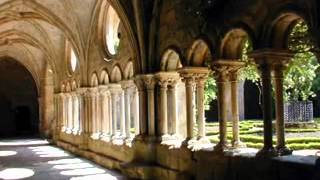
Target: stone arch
(38,12)
(128,71)
(170,60)
(74,85)
(63,88)
(104,77)
(94,82)
(116,74)
(232,43)
(68,87)
(199,53)
(100,12)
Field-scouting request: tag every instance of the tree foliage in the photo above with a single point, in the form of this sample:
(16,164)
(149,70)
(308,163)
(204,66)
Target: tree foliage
(301,72)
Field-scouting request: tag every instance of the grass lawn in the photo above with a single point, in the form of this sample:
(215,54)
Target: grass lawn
(251,133)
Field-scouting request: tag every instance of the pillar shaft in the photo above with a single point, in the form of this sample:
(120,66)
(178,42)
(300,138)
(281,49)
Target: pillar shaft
(173,101)
(163,126)
(122,114)
(222,110)
(235,110)
(128,112)
(267,107)
(135,107)
(190,111)
(200,108)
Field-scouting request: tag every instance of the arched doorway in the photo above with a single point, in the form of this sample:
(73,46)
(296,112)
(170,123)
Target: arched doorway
(18,100)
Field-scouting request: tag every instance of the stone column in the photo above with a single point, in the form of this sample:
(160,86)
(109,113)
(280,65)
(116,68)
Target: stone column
(139,81)
(135,107)
(200,83)
(70,113)
(85,102)
(222,76)
(122,114)
(173,101)
(266,60)
(81,93)
(127,86)
(92,118)
(280,127)
(75,119)
(115,97)
(236,143)
(163,114)
(188,77)
(104,111)
(149,84)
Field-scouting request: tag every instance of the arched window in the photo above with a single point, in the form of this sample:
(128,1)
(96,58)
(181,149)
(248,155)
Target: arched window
(72,58)
(111,32)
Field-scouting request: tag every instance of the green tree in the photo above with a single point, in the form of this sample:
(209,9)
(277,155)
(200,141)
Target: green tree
(301,72)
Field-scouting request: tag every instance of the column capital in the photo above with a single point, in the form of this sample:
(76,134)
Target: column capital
(149,81)
(114,88)
(138,80)
(103,89)
(272,57)
(225,69)
(82,91)
(167,78)
(127,84)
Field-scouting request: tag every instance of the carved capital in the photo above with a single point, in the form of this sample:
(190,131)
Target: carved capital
(226,69)
(272,57)
(149,81)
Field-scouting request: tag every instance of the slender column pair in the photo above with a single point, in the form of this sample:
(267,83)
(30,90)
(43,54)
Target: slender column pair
(226,73)
(195,77)
(141,98)
(75,114)
(272,61)
(104,128)
(149,83)
(127,87)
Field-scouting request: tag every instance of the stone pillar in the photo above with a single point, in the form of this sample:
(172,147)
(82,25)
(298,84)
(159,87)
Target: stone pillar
(81,93)
(104,111)
(85,117)
(200,83)
(135,107)
(163,114)
(266,60)
(188,78)
(236,143)
(139,81)
(70,113)
(92,118)
(115,90)
(62,112)
(222,78)
(173,101)
(75,119)
(127,87)
(278,81)
(149,84)
(122,114)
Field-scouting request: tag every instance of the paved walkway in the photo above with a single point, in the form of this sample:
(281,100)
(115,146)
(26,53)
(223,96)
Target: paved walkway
(36,159)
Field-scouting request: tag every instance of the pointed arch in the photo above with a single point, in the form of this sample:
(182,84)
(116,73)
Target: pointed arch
(104,77)
(94,80)
(199,53)
(170,60)
(128,71)
(116,75)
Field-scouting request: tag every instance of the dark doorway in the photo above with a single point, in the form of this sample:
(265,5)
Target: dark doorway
(18,101)
(251,101)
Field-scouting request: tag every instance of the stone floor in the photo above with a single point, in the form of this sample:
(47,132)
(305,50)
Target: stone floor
(36,159)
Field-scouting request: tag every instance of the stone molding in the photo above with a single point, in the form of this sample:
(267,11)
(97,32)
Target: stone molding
(226,69)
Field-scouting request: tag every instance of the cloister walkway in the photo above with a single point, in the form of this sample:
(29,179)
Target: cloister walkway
(37,159)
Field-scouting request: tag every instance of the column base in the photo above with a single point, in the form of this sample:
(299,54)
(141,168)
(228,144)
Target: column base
(283,151)
(95,136)
(75,131)
(203,140)
(68,130)
(267,152)
(221,148)
(238,144)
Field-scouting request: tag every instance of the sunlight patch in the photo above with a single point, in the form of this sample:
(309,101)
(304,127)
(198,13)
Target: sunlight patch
(16,173)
